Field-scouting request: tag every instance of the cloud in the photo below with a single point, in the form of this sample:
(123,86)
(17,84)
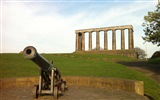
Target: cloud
(23,27)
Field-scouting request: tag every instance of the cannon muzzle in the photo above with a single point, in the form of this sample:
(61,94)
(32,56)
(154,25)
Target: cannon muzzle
(30,53)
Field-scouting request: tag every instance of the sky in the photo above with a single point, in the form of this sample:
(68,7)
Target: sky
(49,25)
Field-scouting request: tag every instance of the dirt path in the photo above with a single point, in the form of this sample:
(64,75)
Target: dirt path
(152,70)
(74,93)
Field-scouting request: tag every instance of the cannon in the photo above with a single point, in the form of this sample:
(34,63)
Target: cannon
(50,81)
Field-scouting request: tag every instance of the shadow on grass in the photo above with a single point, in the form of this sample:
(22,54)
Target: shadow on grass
(155,68)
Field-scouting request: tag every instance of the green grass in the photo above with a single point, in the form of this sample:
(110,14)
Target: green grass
(155,60)
(14,65)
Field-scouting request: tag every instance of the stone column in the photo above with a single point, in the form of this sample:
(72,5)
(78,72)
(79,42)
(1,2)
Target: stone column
(90,41)
(132,40)
(97,41)
(105,40)
(76,41)
(83,41)
(129,38)
(79,41)
(113,39)
(122,40)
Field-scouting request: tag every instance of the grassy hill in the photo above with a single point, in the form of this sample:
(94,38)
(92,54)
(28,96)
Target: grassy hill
(99,65)
(155,60)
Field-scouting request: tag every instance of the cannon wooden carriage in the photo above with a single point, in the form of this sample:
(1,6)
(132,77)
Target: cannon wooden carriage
(50,81)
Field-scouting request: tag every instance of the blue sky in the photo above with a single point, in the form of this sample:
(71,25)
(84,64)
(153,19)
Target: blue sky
(50,25)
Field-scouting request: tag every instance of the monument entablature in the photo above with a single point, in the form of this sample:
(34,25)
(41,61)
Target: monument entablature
(80,38)
(106,28)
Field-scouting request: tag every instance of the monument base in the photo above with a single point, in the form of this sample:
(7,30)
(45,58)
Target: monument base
(128,53)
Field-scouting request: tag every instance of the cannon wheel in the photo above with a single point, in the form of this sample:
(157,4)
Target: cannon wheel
(35,91)
(56,92)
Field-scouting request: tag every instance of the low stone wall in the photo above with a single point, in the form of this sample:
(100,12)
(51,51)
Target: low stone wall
(99,82)
(18,82)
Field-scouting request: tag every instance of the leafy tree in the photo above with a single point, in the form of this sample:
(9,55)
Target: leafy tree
(152,26)
(140,53)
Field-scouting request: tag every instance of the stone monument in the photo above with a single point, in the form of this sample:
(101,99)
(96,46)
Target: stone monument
(80,41)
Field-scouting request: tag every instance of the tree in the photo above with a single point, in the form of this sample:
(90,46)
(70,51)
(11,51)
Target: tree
(152,26)
(140,53)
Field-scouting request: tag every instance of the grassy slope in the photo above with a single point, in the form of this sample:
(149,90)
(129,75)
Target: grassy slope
(14,65)
(155,60)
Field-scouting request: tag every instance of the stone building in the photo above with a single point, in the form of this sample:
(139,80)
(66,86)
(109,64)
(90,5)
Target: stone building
(80,41)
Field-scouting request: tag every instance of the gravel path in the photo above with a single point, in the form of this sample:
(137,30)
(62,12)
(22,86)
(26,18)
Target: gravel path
(74,93)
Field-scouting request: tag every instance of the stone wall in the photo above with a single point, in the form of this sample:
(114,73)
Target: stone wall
(132,86)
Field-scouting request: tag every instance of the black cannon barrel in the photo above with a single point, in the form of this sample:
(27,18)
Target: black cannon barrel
(30,53)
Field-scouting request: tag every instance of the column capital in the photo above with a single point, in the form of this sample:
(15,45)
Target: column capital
(97,31)
(131,29)
(89,31)
(77,32)
(82,32)
(114,29)
(106,30)
(122,29)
